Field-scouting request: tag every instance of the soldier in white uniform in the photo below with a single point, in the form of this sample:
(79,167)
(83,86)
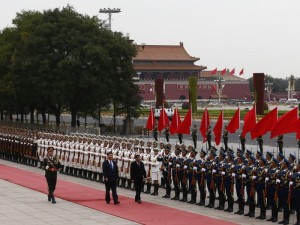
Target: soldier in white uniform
(120,164)
(126,167)
(147,165)
(155,170)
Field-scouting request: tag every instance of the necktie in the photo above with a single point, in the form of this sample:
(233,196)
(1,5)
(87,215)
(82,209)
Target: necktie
(111,165)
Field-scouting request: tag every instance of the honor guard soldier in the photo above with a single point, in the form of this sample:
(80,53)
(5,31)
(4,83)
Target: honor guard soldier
(295,183)
(208,137)
(269,157)
(271,188)
(192,170)
(201,177)
(166,170)
(225,137)
(194,135)
(147,164)
(155,171)
(209,167)
(229,181)
(239,183)
(219,179)
(51,165)
(260,143)
(175,173)
(260,187)
(283,182)
(249,172)
(183,171)
(280,143)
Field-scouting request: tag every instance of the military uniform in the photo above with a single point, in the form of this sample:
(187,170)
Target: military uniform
(280,143)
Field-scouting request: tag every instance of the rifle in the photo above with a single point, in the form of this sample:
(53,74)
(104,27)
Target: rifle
(202,181)
(232,185)
(194,172)
(222,181)
(169,169)
(212,183)
(252,191)
(290,194)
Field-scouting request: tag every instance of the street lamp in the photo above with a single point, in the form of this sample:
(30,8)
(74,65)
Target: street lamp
(220,86)
(269,88)
(109,11)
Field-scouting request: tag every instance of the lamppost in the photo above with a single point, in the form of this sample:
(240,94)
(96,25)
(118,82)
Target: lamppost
(220,86)
(109,11)
(269,88)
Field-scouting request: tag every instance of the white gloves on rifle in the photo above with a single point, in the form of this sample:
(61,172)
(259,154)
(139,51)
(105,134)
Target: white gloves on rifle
(47,167)
(266,170)
(195,168)
(291,183)
(277,181)
(177,165)
(244,176)
(233,174)
(223,173)
(267,179)
(253,177)
(170,163)
(203,169)
(185,167)
(214,171)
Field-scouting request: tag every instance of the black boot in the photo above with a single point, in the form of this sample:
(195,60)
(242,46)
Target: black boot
(184,196)
(128,184)
(148,188)
(239,211)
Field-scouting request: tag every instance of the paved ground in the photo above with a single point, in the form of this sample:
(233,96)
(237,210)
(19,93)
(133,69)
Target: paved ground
(20,205)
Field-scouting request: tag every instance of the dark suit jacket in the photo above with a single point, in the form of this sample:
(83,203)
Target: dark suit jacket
(137,172)
(109,173)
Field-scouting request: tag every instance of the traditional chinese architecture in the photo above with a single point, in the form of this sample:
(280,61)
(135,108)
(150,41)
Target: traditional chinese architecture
(175,66)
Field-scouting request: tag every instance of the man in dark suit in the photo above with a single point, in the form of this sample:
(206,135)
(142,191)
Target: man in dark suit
(111,176)
(138,174)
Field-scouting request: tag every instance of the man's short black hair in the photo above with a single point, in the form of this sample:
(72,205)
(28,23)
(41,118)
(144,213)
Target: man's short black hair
(109,153)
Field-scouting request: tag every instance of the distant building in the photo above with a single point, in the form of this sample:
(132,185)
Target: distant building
(175,66)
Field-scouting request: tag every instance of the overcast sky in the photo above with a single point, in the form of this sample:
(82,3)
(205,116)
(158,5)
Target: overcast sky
(257,35)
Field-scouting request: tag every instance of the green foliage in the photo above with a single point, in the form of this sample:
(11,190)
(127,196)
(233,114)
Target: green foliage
(266,106)
(185,105)
(193,93)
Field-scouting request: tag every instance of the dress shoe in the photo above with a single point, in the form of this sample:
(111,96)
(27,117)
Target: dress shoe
(166,196)
(274,220)
(281,222)
(139,201)
(117,203)
(175,198)
(271,219)
(247,214)
(49,198)
(251,215)
(107,202)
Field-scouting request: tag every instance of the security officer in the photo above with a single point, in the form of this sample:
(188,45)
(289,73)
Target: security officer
(51,165)
(194,135)
(225,137)
(208,137)
(280,143)
(260,143)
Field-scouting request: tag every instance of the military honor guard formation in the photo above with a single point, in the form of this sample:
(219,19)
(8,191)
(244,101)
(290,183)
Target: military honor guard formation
(260,182)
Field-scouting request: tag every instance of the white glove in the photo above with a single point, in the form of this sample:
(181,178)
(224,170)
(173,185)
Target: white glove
(185,167)
(244,176)
(170,163)
(291,183)
(266,170)
(214,171)
(195,168)
(277,181)
(267,179)
(291,173)
(253,177)
(277,171)
(233,174)
(177,165)
(214,163)
(146,163)
(47,167)
(203,169)
(223,173)
(232,166)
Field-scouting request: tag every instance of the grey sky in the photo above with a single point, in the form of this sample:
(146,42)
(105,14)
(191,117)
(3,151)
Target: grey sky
(257,35)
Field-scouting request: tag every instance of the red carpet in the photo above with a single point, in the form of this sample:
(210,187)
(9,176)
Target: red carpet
(146,213)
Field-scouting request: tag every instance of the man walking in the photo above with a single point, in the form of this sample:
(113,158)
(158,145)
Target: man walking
(111,176)
(138,174)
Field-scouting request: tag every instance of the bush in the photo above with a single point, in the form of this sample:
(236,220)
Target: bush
(266,106)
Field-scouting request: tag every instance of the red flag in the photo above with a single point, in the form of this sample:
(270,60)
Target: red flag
(218,129)
(249,121)
(150,121)
(175,122)
(223,71)
(234,123)
(186,124)
(204,124)
(232,72)
(163,120)
(285,123)
(265,124)
(297,125)
(214,71)
(242,72)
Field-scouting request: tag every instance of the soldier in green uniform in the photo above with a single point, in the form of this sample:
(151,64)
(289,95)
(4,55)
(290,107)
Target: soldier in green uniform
(51,166)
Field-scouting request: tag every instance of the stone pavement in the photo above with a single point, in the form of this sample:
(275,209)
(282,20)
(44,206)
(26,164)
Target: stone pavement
(20,205)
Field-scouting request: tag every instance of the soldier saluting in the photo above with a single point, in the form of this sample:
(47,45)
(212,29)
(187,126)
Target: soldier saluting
(51,166)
